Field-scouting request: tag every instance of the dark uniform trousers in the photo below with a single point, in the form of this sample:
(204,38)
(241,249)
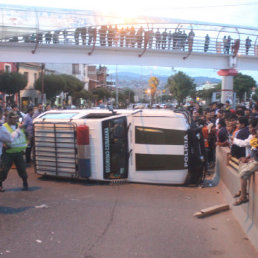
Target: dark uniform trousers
(7,160)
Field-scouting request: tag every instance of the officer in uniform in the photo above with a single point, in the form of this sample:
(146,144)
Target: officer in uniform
(13,151)
(5,136)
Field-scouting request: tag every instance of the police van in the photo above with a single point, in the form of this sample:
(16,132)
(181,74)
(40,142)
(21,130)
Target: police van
(146,146)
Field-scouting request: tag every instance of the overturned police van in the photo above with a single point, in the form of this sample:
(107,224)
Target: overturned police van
(146,146)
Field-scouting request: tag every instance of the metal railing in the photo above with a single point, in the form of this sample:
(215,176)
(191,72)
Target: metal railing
(161,39)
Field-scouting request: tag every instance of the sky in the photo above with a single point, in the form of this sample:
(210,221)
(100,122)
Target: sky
(233,12)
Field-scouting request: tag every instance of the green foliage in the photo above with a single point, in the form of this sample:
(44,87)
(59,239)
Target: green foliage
(100,93)
(153,83)
(11,83)
(165,98)
(72,84)
(207,94)
(255,95)
(243,84)
(53,85)
(83,94)
(180,86)
(127,95)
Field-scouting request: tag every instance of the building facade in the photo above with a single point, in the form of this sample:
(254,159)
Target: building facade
(30,96)
(7,100)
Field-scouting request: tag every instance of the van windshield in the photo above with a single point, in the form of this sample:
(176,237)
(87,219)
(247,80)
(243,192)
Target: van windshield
(58,115)
(115,148)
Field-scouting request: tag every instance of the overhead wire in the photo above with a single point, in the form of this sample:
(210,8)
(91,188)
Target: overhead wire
(207,6)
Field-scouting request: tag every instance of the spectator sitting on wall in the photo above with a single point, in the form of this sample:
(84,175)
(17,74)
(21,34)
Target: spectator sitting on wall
(241,134)
(248,165)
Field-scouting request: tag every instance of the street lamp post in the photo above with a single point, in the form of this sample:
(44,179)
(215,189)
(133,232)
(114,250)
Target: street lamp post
(19,93)
(116,89)
(42,82)
(149,93)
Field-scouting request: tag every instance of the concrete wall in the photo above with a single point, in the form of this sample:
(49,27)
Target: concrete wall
(246,214)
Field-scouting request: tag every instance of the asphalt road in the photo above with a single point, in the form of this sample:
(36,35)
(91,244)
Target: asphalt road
(67,218)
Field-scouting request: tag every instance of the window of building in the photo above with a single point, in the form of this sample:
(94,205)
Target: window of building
(26,74)
(76,69)
(7,68)
(35,76)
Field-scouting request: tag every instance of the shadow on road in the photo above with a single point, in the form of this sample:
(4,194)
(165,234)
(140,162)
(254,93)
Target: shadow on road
(10,210)
(72,180)
(31,189)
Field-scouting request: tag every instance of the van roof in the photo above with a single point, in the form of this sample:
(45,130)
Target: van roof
(102,113)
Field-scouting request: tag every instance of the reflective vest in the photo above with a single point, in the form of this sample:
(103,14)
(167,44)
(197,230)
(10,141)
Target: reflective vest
(18,144)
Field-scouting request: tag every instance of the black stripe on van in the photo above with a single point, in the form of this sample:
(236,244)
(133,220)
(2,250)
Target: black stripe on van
(158,136)
(146,162)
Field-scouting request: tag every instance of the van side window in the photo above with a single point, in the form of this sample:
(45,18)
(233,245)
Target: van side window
(155,162)
(159,136)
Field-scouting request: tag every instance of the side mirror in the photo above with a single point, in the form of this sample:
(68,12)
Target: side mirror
(110,108)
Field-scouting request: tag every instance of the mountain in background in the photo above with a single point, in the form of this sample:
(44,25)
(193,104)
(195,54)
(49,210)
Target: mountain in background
(123,77)
(202,80)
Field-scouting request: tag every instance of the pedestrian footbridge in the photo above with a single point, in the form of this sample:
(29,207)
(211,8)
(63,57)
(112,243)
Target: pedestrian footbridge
(47,35)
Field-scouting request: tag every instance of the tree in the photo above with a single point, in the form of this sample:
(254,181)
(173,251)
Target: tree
(11,83)
(206,94)
(128,95)
(180,86)
(83,94)
(53,85)
(153,83)
(101,93)
(72,85)
(243,84)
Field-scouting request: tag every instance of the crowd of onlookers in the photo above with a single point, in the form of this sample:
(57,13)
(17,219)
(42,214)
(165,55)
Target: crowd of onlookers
(221,125)
(129,36)
(236,129)
(26,119)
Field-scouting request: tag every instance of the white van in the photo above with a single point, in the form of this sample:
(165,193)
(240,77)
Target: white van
(148,146)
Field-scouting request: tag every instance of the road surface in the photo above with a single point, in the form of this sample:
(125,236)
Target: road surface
(71,218)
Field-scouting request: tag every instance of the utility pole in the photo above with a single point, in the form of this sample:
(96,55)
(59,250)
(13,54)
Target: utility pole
(42,82)
(19,93)
(116,88)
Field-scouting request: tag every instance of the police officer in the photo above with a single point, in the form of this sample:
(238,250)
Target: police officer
(5,136)
(13,151)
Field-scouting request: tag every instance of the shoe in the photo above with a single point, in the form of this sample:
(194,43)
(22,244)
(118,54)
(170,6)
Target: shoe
(211,165)
(25,186)
(238,194)
(2,189)
(240,201)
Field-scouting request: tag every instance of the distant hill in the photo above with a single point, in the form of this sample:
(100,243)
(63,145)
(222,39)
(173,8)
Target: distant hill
(202,79)
(130,76)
